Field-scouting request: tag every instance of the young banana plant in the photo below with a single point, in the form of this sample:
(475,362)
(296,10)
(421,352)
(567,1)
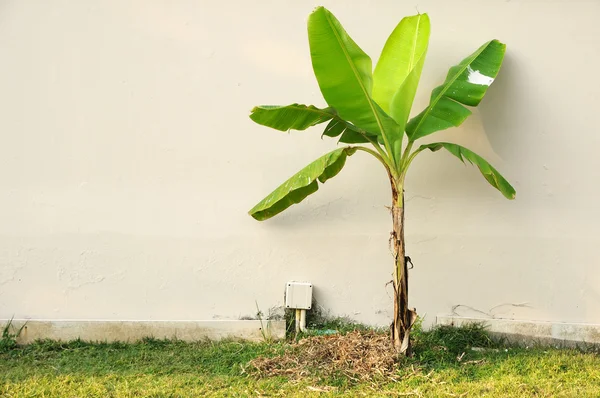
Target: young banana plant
(373,107)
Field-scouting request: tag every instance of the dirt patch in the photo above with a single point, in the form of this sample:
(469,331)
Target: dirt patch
(357,355)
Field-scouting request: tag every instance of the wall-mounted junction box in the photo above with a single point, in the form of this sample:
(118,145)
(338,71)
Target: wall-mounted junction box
(298,295)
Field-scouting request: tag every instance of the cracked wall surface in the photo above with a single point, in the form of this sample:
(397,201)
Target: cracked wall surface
(128,165)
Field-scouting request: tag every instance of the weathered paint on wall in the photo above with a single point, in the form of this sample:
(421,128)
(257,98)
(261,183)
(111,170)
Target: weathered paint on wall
(128,163)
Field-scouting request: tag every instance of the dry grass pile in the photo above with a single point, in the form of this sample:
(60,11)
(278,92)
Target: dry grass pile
(356,355)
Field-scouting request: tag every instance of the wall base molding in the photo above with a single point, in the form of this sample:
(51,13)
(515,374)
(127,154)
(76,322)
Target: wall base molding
(533,332)
(130,331)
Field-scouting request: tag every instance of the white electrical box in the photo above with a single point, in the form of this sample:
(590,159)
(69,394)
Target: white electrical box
(298,295)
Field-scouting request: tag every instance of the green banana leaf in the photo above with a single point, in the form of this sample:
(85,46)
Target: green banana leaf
(489,173)
(398,70)
(290,117)
(344,74)
(348,133)
(302,184)
(466,84)
(335,128)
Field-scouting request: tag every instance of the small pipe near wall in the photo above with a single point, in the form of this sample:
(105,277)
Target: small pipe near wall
(303,321)
(300,321)
(298,316)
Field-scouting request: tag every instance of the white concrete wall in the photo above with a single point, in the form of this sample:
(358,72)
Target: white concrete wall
(128,163)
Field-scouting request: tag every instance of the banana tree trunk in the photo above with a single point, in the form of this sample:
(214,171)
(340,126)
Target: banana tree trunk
(404,318)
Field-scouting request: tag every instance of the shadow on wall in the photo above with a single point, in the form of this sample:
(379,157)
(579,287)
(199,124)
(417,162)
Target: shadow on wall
(502,108)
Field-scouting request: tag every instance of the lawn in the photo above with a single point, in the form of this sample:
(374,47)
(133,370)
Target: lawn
(445,365)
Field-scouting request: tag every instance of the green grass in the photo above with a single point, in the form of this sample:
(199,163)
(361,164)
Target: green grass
(156,368)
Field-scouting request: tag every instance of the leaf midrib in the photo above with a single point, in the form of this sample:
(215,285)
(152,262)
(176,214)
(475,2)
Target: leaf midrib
(357,76)
(411,67)
(267,204)
(302,108)
(446,87)
(414,47)
(495,174)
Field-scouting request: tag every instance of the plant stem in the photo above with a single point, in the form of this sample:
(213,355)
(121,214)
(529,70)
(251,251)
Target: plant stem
(408,162)
(403,164)
(404,317)
(384,161)
(380,150)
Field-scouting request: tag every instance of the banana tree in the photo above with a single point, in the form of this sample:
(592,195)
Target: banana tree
(370,111)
